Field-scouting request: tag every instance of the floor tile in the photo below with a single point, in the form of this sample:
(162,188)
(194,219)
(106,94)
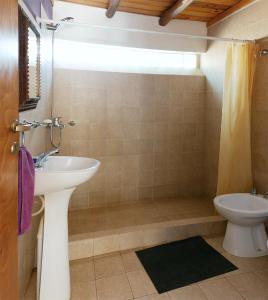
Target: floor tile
(216,242)
(131,262)
(114,288)
(219,289)
(249,285)
(263,275)
(155,297)
(250,264)
(108,266)
(84,290)
(191,292)
(233,260)
(82,270)
(122,277)
(140,283)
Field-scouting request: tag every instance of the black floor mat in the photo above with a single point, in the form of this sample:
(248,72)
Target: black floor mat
(181,263)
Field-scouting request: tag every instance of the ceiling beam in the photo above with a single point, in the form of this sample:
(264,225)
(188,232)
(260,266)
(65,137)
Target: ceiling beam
(113,6)
(240,5)
(174,11)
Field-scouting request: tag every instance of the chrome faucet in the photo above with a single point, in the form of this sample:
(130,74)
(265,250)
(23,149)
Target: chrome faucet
(57,123)
(42,158)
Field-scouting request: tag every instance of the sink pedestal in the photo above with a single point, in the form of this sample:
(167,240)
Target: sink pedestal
(54,268)
(56,180)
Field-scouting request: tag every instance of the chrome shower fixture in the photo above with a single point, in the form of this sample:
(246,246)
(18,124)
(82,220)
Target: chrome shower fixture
(54,27)
(263,52)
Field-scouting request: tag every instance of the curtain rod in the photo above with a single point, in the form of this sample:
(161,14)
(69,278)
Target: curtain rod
(182,35)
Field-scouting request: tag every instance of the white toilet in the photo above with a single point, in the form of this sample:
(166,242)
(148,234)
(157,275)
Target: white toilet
(245,234)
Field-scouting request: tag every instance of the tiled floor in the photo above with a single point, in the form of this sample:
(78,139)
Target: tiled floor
(142,213)
(120,276)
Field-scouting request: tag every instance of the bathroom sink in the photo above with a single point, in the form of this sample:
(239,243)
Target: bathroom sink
(63,172)
(56,181)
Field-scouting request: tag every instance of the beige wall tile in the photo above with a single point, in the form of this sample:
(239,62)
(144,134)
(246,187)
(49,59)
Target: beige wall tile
(80,249)
(145,193)
(155,237)
(131,240)
(97,199)
(134,124)
(79,200)
(107,244)
(130,194)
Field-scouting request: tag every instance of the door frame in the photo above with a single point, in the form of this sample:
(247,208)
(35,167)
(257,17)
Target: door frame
(9,105)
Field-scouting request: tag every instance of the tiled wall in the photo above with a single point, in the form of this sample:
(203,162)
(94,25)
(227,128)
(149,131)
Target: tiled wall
(37,141)
(250,23)
(147,131)
(260,123)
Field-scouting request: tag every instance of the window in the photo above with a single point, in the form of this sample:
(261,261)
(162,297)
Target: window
(86,56)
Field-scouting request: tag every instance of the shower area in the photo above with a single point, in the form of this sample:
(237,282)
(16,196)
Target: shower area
(148,132)
(157,138)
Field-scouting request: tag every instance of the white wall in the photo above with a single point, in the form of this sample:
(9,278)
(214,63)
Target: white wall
(96,16)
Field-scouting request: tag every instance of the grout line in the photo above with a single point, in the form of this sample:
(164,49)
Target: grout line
(130,286)
(96,289)
(203,292)
(127,276)
(94,268)
(230,281)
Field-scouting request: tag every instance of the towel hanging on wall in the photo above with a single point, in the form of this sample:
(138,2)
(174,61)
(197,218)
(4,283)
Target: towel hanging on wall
(25,190)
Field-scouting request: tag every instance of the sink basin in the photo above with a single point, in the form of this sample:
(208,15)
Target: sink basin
(63,172)
(56,181)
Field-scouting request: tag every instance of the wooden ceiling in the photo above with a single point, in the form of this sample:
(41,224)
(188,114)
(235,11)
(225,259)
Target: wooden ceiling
(209,11)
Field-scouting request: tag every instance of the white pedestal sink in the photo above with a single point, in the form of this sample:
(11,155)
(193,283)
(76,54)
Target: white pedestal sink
(56,181)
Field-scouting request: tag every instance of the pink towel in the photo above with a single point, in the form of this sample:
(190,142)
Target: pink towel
(25,190)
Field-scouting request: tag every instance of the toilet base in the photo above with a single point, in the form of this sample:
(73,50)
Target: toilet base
(245,241)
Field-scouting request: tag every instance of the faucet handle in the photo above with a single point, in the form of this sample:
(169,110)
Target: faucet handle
(47,122)
(56,122)
(72,123)
(265,195)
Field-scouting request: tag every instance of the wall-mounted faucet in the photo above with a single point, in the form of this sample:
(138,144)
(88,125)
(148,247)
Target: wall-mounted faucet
(23,126)
(57,123)
(42,158)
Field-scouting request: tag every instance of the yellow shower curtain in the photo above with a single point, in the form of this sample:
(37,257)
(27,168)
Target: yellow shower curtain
(235,169)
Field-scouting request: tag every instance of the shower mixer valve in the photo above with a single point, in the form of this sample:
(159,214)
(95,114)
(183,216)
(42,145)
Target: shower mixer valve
(24,125)
(54,122)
